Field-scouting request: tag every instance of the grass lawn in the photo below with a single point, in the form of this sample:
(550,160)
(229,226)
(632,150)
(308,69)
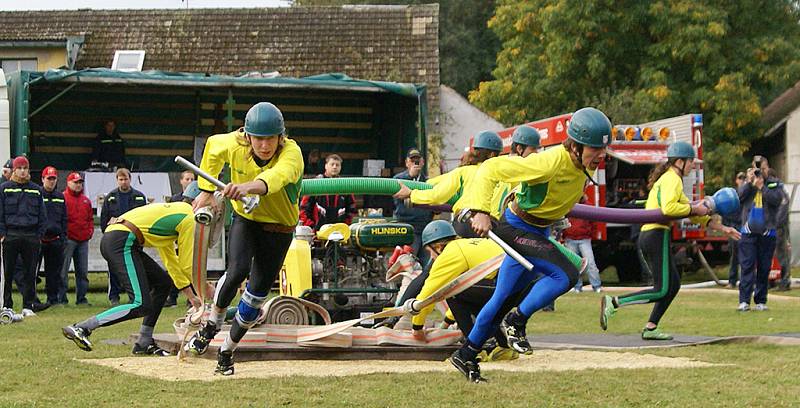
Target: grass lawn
(40,367)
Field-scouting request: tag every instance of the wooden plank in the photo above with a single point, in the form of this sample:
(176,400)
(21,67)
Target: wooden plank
(285,351)
(135,151)
(126,136)
(331,139)
(305,124)
(242,107)
(148,120)
(350,155)
(117,103)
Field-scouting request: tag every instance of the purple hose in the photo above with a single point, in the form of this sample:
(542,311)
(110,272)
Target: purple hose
(592,213)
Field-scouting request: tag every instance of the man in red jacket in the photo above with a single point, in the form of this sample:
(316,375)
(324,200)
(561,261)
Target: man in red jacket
(578,238)
(80,227)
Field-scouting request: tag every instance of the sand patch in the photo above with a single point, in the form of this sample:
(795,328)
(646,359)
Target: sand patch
(170,369)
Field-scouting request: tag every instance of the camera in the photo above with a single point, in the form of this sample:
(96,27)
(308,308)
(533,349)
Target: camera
(757,165)
(416,161)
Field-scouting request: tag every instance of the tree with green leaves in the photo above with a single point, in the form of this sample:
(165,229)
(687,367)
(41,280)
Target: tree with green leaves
(467,47)
(645,60)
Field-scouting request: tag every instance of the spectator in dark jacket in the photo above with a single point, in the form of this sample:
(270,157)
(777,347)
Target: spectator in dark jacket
(55,234)
(760,198)
(117,202)
(734,220)
(418,218)
(6,172)
(109,147)
(316,211)
(23,218)
(187,177)
(782,238)
(80,228)
(578,238)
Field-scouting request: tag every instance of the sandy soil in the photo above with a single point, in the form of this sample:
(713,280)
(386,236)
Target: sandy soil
(169,369)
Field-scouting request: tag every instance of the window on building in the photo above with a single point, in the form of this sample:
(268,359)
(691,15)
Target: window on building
(128,60)
(14,65)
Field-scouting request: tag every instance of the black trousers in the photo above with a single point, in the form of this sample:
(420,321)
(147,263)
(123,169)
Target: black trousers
(654,248)
(141,277)
(53,258)
(25,248)
(255,254)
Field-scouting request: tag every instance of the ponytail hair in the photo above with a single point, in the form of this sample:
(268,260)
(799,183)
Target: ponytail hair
(658,171)
(477,156)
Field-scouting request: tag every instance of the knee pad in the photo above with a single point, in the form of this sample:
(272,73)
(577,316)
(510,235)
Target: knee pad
(249,308)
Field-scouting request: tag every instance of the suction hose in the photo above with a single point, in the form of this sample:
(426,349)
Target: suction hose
(360,185)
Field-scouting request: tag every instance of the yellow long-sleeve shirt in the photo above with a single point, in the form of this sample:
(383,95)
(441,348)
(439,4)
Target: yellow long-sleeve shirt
(283,175)
(458,256)
(667,195)
(162,225)
(448,185)
(550,184)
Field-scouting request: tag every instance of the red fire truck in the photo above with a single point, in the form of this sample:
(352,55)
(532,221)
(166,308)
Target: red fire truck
(622,183)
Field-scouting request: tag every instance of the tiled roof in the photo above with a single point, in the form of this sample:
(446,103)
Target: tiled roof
(395,43)
(781,106)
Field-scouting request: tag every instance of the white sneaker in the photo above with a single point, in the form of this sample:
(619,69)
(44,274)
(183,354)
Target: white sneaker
(743,307)
(598,290)
(27,313)
(575,290)
(761,307)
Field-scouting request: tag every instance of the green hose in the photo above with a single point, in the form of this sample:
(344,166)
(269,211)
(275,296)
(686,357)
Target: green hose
(358,186)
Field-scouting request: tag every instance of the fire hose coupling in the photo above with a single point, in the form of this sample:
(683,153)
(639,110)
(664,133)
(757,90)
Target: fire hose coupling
(408,307)
(7,316)
(249,202)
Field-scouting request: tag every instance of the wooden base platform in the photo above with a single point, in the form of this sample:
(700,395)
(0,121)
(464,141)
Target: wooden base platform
(286,351)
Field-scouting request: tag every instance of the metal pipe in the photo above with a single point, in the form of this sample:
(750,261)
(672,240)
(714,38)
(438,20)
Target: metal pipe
(250,202)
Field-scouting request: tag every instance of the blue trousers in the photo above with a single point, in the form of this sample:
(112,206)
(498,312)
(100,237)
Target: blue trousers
(755,257)
(557,273)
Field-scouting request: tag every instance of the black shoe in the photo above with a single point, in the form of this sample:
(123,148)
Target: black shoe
(515,334)
(79,335)
(198,343)
(38,307)
(171,302)
(469,368)
(114,302)
(150,350)
(224,363)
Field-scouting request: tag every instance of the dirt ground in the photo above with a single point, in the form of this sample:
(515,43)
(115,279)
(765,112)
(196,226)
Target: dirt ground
(169,369)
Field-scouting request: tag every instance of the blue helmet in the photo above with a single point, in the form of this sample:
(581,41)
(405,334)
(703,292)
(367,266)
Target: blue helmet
(264,119)
(437,230)
(526,135)
(590,127)
(726,201)
(488,140)
(192,190)
(680,150)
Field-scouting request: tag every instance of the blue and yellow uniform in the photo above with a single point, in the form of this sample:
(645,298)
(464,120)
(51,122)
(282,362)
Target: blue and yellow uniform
(549,185)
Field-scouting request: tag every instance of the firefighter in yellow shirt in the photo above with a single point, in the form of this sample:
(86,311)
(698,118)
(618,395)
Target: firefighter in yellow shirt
(550,184)
(157,226)
(666,194)
(454,256)
(524,141)
(265,162)
(451,184)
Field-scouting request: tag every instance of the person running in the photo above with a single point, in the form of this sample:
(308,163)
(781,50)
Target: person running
(159,226)
(550,184)
(666,193)
(267,163)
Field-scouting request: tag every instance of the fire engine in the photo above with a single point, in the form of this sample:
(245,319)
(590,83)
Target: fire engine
(622,183)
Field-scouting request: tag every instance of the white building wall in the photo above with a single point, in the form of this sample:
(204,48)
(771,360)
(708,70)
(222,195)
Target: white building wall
(792,179)
(459,121)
